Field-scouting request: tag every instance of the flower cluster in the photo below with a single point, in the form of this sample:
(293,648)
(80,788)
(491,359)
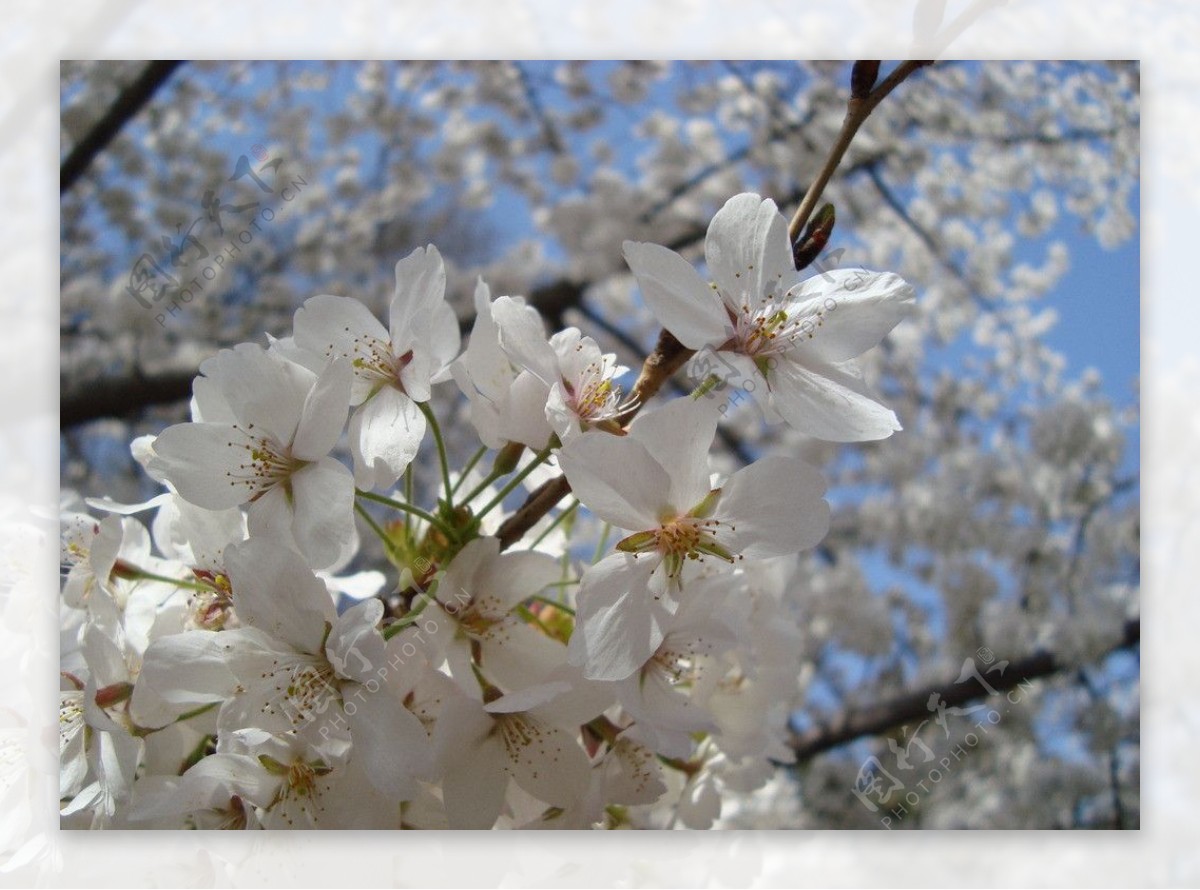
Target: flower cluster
(225,669)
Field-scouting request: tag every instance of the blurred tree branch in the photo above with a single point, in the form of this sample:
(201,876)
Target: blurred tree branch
(130,101)
(121,396)
(875,719)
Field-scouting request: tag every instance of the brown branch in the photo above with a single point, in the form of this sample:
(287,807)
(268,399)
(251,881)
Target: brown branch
(857,111)
(540,502)
(121,397)
(130,101)
(875,719)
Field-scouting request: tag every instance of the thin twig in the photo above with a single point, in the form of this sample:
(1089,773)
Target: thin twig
(130,101)
(857,111)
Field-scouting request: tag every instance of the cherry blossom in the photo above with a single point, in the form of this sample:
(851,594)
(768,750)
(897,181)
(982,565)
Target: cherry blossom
(394,367)
(507,402)
(529,737)
(475,597)
(577,378)
(302,668)
(655,481)
(799,337)
(267,444)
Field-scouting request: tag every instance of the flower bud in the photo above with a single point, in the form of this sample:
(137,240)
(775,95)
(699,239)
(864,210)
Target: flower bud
(809,246)
(862,78)
(508,458)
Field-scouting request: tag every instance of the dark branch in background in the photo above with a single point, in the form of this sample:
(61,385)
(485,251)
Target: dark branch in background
(549,132)
(1097,695)
(131,100)
(876,719)
(122,397)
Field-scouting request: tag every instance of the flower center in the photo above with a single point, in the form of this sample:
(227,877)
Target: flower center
(677,539)
(234,818)
(677,667)
(301,791)
(770,328)
(374,360)
(520,734)
(593,396)
(303,689)
(266,463)
(301,779)
(679,658)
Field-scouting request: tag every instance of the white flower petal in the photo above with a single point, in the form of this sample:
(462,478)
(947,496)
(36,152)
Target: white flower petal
(385,435)
(512,577)
(324,412)
(355,647)
(484,372)
(544,760)
(633,773)
(526,415)
(617,479)
(463,578)
(420,285)
(677,295)
(483,412)
(747,251)
(205,468)
(275,592)
(700,804)
(523,337)
(582,700)
(270,516)
(679,436)
(330,326)
(180,673)
(530,697)
(199,536)
(416,377)
(832,403)
(666,716)
(260,387)
(775,506)
(514,653)
(390,744)
(323,519)
(616,628)
(858,309)
(473,764)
